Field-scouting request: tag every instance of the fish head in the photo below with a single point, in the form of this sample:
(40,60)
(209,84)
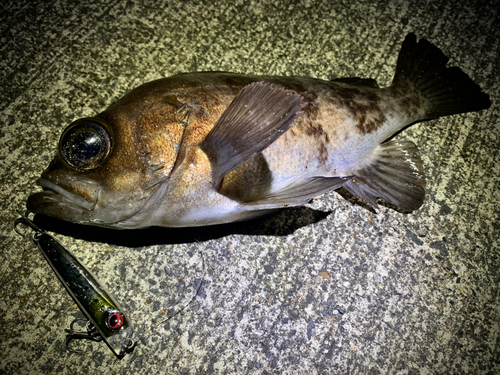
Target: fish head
(111,170)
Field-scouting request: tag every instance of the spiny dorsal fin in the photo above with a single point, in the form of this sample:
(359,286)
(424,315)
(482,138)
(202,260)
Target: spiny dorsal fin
(355,81)
(257,116)
(396,174)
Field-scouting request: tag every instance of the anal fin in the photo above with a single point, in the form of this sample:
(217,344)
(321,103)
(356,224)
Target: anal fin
(395,174)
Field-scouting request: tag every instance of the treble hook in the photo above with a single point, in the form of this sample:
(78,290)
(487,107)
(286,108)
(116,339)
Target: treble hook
(91,334)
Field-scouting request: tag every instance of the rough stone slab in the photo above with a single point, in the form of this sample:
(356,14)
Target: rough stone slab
(331,288)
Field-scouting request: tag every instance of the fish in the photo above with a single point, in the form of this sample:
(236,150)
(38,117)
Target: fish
(104,318)
(208,148)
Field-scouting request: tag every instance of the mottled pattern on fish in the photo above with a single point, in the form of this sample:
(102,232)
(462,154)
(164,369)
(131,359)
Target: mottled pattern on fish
(186,151)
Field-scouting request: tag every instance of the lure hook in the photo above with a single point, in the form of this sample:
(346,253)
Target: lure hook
(107,322)
(91,334)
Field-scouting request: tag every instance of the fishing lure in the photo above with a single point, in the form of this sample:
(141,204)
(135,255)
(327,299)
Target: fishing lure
(105,320)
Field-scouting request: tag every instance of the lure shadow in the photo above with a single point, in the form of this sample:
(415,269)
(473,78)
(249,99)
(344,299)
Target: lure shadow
(280,223)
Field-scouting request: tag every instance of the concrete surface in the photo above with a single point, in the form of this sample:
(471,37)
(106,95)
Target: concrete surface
(328,289)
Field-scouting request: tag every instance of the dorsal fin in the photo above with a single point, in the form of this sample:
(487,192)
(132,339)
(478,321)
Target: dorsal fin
(257,116)
(355,81)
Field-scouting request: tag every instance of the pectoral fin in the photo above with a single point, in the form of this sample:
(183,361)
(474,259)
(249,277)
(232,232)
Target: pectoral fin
(257,116)
(299,192)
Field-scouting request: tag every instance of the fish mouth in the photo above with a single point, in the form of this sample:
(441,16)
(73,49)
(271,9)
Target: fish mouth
(67,195)
(53,195)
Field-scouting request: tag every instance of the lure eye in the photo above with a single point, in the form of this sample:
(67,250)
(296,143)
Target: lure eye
(86,143)
(115,320)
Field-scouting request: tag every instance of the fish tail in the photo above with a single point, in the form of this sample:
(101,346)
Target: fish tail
(449,91)
(395,171)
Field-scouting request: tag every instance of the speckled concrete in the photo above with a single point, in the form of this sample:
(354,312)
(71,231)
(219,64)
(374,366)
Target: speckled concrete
(328,289)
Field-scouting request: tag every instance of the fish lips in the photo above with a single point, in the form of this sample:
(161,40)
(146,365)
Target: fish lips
(60,203)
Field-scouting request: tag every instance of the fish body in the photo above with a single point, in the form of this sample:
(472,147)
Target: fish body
(214,147)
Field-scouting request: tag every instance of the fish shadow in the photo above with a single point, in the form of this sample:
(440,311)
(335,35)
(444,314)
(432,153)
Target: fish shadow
(279,223)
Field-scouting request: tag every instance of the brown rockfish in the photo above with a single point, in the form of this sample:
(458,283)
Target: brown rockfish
(213,147)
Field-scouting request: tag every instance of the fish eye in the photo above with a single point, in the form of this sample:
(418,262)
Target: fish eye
(86,143)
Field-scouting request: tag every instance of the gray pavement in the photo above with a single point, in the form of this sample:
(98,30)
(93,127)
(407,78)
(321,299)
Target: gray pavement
(332,288)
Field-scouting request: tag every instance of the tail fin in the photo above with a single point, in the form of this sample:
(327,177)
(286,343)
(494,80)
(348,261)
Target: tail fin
(449,90)
(396,172)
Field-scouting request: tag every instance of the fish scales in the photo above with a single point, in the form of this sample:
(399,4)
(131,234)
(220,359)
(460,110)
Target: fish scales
(215,147)
(325,140)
